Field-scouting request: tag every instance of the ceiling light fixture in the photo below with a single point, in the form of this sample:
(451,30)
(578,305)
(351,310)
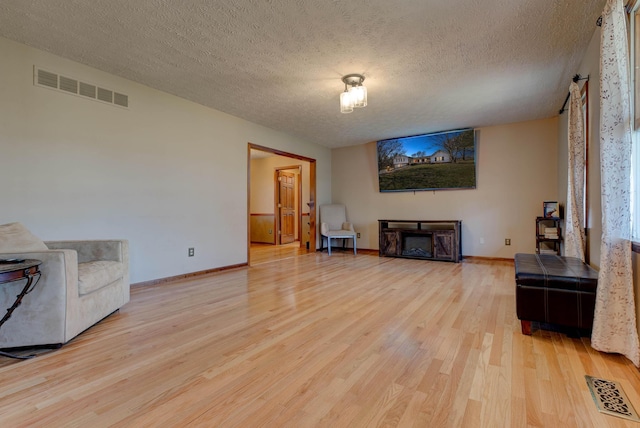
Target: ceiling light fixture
(354,96)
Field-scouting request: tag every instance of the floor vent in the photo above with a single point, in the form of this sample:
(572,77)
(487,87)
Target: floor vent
(69,85)
(610,398)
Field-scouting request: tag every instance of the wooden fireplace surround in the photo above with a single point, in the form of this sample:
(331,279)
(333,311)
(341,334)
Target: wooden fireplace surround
(445,240)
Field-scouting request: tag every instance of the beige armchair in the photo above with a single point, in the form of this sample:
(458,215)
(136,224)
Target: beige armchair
(334,225)
(82,282)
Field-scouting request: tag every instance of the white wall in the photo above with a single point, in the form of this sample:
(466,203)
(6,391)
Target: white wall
(167,174)
(517,171)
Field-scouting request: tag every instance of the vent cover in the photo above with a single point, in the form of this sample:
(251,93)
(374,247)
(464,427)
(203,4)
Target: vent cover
(121,99)
(105,95)
(47,79)
(70,85)
(87,90)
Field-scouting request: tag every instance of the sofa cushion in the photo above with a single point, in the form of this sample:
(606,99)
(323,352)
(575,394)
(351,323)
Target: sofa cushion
(15,238)
(94,275)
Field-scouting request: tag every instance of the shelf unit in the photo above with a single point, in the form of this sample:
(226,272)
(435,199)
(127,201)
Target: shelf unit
(548,242)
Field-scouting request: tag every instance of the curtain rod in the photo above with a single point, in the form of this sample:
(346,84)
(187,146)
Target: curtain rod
(576,78)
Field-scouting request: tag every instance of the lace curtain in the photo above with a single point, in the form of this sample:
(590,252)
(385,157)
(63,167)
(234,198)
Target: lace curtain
(614,325)
(574,234)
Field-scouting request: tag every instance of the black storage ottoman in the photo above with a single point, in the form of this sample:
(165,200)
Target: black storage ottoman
(554,290)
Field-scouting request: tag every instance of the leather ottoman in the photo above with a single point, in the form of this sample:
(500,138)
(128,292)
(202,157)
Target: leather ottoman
(555,290)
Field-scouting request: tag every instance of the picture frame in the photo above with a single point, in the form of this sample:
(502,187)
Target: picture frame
(551,209)
(443,160)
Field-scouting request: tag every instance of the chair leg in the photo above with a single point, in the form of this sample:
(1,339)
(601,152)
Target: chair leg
(354,246)
(526,327)
(329,244)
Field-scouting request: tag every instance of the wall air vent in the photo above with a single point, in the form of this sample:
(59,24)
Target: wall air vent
(87,90)
(69,85)
(47,79)
(105,95)
(121,99)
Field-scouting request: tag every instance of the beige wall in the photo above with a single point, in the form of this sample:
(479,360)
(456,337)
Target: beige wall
(517,171)
(167,174)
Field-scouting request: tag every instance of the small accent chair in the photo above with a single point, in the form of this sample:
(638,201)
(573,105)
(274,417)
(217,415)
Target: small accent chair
(334,225)
(82,282)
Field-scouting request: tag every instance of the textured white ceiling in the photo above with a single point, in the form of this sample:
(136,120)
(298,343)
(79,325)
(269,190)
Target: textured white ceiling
(430,65)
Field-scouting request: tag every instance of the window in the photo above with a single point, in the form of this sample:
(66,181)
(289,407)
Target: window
(634,39)
(585,195)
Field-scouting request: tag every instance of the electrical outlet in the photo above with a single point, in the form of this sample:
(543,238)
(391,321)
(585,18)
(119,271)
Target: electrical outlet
(192,252)
(358,235)
(507,241)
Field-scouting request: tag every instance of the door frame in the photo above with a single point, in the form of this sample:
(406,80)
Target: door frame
(276,194)
(312,193)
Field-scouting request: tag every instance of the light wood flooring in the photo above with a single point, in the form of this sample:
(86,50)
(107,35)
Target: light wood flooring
(266,253)
(318,341)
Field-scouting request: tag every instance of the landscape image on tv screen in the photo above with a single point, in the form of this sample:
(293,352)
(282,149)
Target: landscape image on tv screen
(438,161)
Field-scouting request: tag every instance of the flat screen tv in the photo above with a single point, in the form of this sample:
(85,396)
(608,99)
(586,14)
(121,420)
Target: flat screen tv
(437,161)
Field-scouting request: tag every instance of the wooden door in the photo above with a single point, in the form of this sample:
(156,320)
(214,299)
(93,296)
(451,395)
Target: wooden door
(389,243)
(286,206)
(443,245)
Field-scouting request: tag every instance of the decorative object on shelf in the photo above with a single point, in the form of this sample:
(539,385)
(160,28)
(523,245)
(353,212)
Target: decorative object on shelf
(355,93)
(548,236)
(551,209)
(421,239)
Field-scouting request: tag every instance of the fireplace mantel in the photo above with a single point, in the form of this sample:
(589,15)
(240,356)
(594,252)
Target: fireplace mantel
(421,239)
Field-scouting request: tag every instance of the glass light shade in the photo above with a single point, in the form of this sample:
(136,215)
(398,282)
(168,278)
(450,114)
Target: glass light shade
(346,102)
(359,96)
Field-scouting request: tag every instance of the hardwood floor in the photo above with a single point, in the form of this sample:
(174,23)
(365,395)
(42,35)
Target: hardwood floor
(340,341)
(267,253)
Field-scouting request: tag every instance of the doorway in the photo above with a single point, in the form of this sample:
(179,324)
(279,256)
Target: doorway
(286,224)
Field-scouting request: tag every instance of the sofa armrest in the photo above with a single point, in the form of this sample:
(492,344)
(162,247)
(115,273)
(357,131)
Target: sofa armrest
(62,256)
(57,286)
(63,264)
(95,250)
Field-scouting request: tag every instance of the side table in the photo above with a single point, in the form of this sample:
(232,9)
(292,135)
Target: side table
(12,270)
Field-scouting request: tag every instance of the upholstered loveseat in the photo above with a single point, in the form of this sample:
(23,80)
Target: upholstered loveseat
(82,282)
